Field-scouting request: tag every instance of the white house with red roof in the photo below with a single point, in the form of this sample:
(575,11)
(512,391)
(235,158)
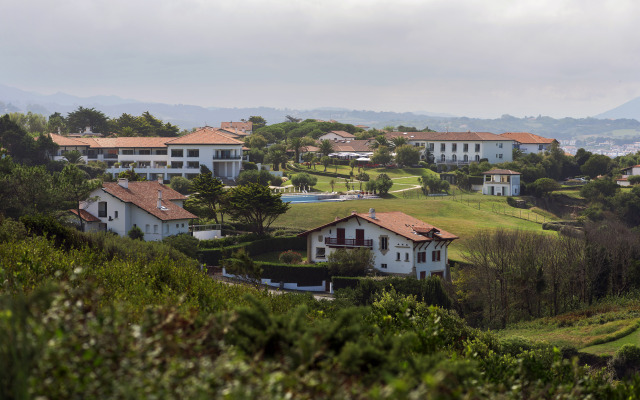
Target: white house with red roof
(501,182)
(161,156)
(402,245)
(459,148)
(528,142)
(149,205)
(337,135)
(245,127)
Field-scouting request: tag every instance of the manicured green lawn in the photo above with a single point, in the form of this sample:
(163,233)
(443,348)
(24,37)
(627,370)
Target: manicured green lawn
(610,348)
(464,217)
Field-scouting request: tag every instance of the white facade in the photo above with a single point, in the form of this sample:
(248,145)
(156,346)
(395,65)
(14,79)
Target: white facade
(394,253)
(460,148)
(630,171)
(120,215)
(334,136)
(159,157)
(501,183)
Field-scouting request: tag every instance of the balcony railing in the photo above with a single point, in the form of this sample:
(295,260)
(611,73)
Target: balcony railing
(111,156)
(227,157)
(349,242)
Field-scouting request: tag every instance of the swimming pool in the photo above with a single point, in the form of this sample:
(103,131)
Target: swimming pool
(308,198)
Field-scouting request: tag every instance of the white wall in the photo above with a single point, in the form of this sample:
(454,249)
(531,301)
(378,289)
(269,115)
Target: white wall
(396,244)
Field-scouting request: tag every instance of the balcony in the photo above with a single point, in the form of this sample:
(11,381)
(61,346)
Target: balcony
(340,242)
(111,156)
(224,157)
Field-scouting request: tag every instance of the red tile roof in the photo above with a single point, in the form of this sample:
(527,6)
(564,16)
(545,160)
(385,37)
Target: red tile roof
(206,135)
(501,172)
(526,138)
(85,215)
(145,196)
(67,141)
(352,146)
(245,126)
(343,134)
(399,223)
(447,136)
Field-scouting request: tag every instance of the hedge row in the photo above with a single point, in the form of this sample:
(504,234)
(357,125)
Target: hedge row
(303,275)
(558,225)
(342,282)
(257,247)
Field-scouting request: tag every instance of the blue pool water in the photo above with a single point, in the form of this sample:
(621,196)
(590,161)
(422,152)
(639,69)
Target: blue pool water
(305,198)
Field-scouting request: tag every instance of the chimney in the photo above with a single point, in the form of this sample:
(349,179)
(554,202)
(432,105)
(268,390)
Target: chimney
(353,212)
(159,198)
(124,182)
(160,180)
(372,213)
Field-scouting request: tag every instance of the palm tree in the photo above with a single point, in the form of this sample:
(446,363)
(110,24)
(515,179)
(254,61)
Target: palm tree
(381,140)
(73,157)
(326,147)
(398,141)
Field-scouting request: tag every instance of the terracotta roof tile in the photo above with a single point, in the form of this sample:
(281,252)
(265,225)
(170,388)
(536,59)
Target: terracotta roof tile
(399,223)
(245,126)
(352,146)
(206,135)
(526,138)
(344,134)
(85,215)
(67,141)
(145,196)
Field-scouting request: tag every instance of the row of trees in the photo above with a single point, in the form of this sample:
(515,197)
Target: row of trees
(519,275)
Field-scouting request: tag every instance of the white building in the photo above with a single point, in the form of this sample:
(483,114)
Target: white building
(528,142)
(160,156)
(402,245)
(460,148)
(150,205)
(337,135)
(501,182)
(626,173)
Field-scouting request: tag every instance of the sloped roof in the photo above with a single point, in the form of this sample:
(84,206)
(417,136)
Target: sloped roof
(447,136)
(399,223)
(206,135)
(67,141)
(527,138)
(501,172)
(245,126)
(85,215)
(343,134)
(145,196)
(352,146)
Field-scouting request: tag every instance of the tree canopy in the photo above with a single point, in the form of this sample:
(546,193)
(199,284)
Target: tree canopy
(255,205)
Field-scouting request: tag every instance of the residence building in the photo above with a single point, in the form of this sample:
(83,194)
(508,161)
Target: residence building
(150,205)
(402,245)
(245,127)
(337,135)
(459,148)
(528,142)
(626,173)
(161,156)
(501,182)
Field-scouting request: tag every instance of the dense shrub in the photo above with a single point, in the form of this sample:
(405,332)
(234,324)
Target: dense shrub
(626,361)
(290,257)
(184,243)
(354,262)
(180,184)
(136,233)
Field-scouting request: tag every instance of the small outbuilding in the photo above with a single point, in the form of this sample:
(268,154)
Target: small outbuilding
(501,182)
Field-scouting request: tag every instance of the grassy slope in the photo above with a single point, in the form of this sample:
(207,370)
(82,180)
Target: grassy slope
(461,217)
(610,324)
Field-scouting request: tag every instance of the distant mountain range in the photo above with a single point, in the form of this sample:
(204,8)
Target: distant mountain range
(623,118)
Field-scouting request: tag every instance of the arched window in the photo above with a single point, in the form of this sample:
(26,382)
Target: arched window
(466,158)
(454,158)
(443,158)
(477,158)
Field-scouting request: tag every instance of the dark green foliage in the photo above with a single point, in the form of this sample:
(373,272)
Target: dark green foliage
(303,180)
(290,257)
(303,275)
(383,183)
(254,176)
(433,184)
(356,262)
(256,205)
(180,184)
(185,243)
(407,155)
(626,362)
(430,291)
(543,186)
(241,265)
(81,118)
(136,233)
(212,256)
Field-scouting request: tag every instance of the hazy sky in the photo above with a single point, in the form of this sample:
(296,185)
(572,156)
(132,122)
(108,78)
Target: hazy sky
(479,58)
